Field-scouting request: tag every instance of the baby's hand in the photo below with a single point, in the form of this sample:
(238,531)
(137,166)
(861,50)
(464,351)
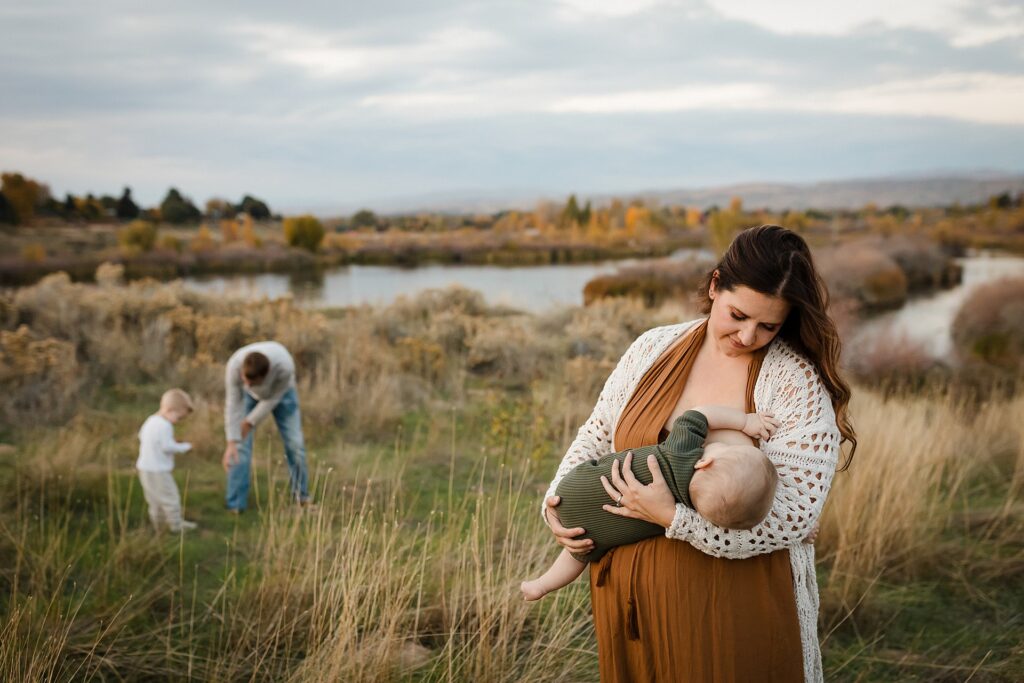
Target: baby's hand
(760,425)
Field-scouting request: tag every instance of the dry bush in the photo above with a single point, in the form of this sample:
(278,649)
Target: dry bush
(441,315)
(602,330)
(137,236)
(654,283)
(508,349)
(152,331)
(110,275)
(864,274)
(927,266)
(989,327)
(33,253)
(40,377)
(892,361)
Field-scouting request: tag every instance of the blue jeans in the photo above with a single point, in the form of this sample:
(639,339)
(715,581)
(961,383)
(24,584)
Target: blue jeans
(289,424)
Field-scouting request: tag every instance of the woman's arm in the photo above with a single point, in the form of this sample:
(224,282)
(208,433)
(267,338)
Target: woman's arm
(805,450)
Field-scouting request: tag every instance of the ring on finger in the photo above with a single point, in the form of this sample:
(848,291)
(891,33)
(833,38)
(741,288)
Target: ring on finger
(618,501)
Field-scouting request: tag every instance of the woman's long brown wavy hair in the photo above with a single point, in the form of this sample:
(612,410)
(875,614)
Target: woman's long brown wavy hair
(777,262)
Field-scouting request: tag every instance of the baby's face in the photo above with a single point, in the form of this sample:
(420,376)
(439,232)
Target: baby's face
(174,415)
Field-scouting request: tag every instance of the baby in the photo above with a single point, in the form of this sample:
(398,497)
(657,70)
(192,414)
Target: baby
(728,480)
(157,448)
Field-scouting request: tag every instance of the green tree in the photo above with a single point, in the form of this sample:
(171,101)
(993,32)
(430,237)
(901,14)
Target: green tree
(256,208)
(303,231)
(7,214)
(364,218)
(126,208)
(571,213)
(178,209)
(89,208)
(585,214)
(70,206)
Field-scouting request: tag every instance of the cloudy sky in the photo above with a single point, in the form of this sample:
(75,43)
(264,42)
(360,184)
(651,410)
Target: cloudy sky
(320,104)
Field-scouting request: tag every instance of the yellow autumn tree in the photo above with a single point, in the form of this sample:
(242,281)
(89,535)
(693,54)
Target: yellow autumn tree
(203,241)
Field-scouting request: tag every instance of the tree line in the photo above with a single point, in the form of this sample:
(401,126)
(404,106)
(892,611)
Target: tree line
(23,199)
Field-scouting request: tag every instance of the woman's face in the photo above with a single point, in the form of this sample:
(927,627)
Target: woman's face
(742,320)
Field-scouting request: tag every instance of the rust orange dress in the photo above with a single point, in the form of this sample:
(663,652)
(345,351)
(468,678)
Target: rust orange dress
(663,610)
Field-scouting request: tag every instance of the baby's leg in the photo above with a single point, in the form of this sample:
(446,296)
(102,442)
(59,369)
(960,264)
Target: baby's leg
(562,572)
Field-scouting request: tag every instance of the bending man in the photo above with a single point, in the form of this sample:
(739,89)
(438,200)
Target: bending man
(260,381)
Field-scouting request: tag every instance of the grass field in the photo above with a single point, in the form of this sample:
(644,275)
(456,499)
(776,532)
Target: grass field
(433,426)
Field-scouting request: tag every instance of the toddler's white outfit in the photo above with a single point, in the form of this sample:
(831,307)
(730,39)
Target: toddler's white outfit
(155,464)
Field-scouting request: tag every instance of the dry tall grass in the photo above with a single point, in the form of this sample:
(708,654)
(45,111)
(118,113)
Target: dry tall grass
(916,461)
(409,569)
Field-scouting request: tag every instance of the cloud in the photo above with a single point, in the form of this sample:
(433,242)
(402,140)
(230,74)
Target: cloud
(347,100)
(325,55)
(965,23)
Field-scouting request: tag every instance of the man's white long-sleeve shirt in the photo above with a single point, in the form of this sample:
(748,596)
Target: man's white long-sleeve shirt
(279,379)
(157,445)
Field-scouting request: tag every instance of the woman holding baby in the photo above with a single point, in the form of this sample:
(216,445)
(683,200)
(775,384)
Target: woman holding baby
(705,603)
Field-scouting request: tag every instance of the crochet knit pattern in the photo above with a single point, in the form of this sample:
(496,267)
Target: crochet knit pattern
(804,449)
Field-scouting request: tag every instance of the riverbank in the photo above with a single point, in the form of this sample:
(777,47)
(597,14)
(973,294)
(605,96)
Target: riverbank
(868,274)
(26,261)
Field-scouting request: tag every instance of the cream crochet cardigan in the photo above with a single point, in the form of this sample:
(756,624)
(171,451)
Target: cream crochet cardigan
(804,449)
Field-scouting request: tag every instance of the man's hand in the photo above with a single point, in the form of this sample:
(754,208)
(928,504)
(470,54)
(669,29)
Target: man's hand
(230,455)
(246,428)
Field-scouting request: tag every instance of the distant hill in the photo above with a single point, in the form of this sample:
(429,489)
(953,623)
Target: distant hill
(848,194)
(910,191)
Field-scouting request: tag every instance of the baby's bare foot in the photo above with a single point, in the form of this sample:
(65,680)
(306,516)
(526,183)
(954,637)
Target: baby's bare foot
(532,590)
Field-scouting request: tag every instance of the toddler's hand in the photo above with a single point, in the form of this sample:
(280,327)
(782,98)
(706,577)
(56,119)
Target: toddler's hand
(186,445)
(760,425)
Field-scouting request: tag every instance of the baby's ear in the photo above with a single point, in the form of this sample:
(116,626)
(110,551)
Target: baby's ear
(704,462)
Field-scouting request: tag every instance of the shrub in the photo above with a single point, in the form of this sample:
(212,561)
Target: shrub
(865,274)
(925,264)
(33,253)
(654,283)
(989,327)
(110,275)
(137,235)
(303,231)
(40,377)
(203,241)
(169,243)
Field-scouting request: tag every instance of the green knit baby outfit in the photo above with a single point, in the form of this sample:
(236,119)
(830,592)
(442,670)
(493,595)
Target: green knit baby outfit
(583,495)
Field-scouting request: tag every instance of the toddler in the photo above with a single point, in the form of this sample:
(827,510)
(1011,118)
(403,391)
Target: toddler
(728,480)
(156,461)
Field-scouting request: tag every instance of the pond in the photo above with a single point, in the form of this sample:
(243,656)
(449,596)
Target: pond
(529,288)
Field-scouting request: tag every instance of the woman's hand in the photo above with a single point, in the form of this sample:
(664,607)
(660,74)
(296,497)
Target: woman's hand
(651,503)
(566,537)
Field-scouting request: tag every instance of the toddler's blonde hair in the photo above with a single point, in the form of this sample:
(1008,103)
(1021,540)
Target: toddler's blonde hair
(176,399)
